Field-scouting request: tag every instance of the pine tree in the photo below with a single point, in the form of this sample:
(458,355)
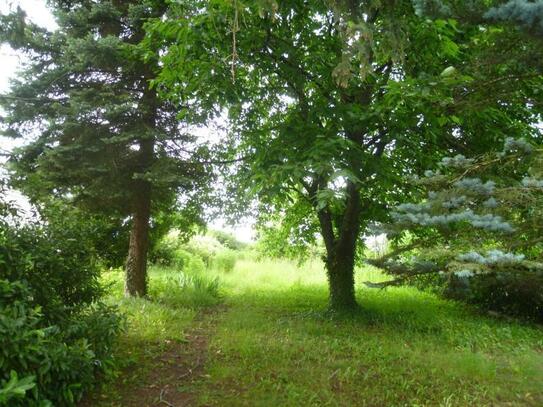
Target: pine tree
(526,14)
(101,136)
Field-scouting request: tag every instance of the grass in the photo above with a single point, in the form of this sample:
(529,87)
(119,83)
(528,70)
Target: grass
(277,346)
(152,324)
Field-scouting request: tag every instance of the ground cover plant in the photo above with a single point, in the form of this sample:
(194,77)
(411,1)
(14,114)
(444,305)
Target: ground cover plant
(274,343)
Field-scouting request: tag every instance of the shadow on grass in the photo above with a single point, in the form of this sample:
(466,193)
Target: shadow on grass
(400,312)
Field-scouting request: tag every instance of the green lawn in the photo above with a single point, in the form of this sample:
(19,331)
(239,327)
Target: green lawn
(275,344)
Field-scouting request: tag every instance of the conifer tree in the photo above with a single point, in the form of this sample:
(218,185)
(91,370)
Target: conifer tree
(480,222)
(98,134)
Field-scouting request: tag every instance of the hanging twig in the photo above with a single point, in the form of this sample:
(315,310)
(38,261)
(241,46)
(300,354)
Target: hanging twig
(235,29)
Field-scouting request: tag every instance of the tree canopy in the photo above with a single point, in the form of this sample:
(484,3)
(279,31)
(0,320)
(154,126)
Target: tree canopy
(336,103)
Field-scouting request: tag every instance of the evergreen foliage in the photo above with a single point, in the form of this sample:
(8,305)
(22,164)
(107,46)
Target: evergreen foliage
(501,265)
(526,14)
(102,139)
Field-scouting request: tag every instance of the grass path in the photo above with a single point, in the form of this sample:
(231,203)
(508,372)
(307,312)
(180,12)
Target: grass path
(177,367)
(273,345)
(164,374)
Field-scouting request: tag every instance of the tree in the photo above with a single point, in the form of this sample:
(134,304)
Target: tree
(103,139)
(477,230)
(332,104)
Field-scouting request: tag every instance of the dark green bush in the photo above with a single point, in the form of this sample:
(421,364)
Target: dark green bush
(56,338)
(516,293)
(164,252)
(56,363)
(55,260)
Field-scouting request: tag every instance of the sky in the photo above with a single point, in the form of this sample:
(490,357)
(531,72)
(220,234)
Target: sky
(10,60)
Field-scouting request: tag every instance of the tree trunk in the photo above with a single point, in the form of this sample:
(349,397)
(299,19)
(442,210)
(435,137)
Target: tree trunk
(341,251)
(136,262)
(341,283)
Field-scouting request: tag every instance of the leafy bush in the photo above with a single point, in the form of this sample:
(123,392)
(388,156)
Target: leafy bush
(188,262)
(164,252)
(56,337)
(195,265)
(205,247)
(54,260)
(228,240)
(57,363)
(15,388)
(225,261)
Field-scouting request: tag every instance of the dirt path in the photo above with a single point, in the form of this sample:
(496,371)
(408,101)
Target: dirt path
(169,383)
(176,369)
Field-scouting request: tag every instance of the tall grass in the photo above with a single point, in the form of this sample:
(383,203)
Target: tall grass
(276,345)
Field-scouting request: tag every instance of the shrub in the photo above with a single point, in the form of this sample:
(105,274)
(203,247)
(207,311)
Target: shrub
(181,259)
(517,293)
(225,261)
(55,261)
(188,262)
(205,247)
(195,265)
(228,240)
(164,252)
(57,363)
(56,337)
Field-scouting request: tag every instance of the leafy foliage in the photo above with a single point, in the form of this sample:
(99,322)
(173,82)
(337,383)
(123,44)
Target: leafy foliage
(333,104)
(57,338)
(201,252)
(56,363)
(56,259)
